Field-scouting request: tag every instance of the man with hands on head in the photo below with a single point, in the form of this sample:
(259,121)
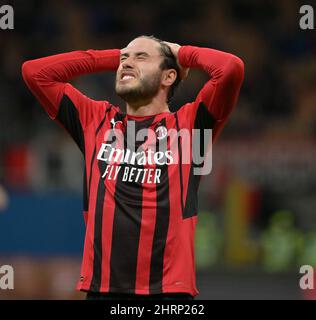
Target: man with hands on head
(140,204)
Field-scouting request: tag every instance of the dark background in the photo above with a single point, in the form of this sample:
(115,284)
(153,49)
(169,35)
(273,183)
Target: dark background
(257,222)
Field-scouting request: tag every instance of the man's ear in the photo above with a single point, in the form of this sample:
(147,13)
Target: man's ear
(168,77)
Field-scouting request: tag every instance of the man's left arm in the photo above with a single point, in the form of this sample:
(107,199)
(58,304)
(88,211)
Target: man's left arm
(219,95)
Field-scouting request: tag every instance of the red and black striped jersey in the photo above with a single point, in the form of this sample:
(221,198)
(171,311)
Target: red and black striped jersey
(140,199)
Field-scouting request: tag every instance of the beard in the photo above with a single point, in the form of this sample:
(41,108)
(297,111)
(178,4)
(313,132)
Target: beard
(145,89)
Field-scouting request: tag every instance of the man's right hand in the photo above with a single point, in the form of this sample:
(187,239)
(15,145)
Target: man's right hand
(175,49)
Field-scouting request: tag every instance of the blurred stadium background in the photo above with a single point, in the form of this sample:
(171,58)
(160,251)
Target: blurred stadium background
(257,221)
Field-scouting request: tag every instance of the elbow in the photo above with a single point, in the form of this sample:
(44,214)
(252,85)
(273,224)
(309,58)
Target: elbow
(237,68)
(27,71)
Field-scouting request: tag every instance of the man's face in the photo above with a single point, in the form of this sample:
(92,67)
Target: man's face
(138,77)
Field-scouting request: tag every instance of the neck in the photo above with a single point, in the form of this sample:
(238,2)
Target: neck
(147,108)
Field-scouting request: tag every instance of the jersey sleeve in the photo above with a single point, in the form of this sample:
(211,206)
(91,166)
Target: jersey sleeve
(219,95)
(48,79)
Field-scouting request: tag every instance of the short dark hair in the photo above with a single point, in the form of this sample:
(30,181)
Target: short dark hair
(169,62)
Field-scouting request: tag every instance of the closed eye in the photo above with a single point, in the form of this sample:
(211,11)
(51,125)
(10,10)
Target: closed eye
(142,55)
(123,59)
(138,56)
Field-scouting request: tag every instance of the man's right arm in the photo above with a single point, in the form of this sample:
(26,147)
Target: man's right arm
(48,78)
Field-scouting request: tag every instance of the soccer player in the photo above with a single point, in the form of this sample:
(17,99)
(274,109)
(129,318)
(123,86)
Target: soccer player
(140,204)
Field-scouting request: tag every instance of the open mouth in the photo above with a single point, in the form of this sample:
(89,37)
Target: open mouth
(127,76)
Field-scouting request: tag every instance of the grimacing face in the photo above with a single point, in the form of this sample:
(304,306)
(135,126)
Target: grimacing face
(138,76)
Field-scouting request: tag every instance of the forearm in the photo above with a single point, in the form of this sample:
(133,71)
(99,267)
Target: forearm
(226,73)
(46,77)
(217,64)
(66,66)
